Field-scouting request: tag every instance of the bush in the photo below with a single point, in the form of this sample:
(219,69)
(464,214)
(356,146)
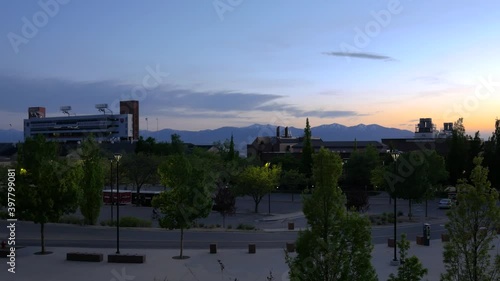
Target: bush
(243,226)
(218,225)
(229,227)
(4,215)
(71,219)
(400,213)
(134,222)
(201,225)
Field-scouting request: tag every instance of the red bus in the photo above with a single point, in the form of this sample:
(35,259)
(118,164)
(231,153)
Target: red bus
(125,196)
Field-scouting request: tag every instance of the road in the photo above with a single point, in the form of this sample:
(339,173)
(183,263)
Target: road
(61,235)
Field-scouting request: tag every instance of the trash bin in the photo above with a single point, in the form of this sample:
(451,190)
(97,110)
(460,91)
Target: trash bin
(427,234)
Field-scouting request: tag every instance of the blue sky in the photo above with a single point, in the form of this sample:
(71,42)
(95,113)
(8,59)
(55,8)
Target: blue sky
(239,62)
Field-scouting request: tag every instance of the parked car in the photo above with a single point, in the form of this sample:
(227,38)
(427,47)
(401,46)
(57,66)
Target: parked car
(445,203)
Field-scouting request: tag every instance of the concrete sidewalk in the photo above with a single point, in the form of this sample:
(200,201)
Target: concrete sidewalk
(201,266)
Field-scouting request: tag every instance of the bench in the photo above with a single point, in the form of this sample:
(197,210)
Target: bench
(117,258)
(89,257)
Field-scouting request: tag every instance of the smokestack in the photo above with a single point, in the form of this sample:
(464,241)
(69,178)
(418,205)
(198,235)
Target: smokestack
(286,132)
(278,131)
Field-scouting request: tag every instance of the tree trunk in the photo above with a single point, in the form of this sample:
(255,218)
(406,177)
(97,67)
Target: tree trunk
(409,212)
(426,207)
(224,221)
(42,236)
(182,241)
(256,207)
(139,199)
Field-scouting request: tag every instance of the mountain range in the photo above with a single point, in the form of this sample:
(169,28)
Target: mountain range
(245,135)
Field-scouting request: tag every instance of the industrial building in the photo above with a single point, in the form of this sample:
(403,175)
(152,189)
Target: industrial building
(426,137)
(267,147)
(74,128)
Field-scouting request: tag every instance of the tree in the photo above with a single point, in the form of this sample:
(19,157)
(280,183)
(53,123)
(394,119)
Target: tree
(472,229)
(224,203)
(92,181)
(436,174)
(293,181)
(338,244)
(47,186)
(189,196)
(287,161)
(492,155)
(411,269)
(357,172)
(140,169)
(176,145)
(258,181)
(307,151)
(456,160)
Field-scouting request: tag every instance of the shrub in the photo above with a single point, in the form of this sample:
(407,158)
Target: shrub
(400,213)
(71,219)
(243,226)
(201,225)
(134,222)
(218,225)
(229,227)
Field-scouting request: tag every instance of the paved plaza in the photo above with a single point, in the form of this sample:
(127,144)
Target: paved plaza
(200,266)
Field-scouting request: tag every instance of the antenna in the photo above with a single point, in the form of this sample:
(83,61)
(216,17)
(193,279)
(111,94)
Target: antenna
(102,107)
(65,109)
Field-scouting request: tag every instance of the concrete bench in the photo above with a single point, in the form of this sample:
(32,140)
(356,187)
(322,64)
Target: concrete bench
(89,257)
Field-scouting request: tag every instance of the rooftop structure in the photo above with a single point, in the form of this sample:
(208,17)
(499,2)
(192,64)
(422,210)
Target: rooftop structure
(72,128)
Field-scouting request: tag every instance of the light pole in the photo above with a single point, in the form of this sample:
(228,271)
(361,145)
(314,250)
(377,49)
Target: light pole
(269,194)
(117,158)
(395,261)
(111,184)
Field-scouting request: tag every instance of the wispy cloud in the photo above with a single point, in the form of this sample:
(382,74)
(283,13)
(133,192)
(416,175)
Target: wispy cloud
(165,100)
(360,55)
(296,111)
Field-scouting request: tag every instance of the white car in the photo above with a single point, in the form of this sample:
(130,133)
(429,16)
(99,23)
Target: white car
(445,203)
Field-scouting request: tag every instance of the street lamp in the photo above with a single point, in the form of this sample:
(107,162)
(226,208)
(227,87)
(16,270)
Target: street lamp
(118,156)
(111,159)
(395,156)
(267,165)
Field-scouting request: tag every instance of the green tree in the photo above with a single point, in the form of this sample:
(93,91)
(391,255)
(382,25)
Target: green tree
(472,229)
(307,151)
(411,269)
(456,160)
(176,145)
(293,181)
(224,203)
(338,244)
(92,182)
(360,166)
(257,181)
(47,187)
(492,155)
(357,176)
(140,169)
(189,196)
(287,161)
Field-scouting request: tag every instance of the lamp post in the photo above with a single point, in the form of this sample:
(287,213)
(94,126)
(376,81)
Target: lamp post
(395,262)
(111,159)
(117,158)
(269,194)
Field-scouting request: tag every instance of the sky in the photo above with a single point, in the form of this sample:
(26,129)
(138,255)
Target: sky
(207,64)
